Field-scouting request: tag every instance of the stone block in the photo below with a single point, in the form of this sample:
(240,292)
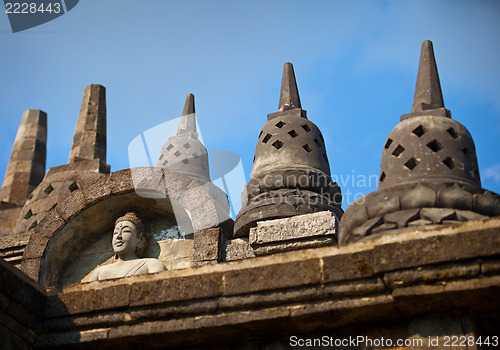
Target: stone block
(147,181)
(97,189)
(238,249)
(354,288)
(469,240)
(50,224)
(121,182)
(350,266)
(36,248)
(72,205)
(176,289)
(105,297)
(297,227)
(285,246)
(431,274)
(272,277)
(206,244)
(31,267)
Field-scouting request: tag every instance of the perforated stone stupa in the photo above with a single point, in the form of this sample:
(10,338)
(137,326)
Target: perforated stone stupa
(291,172)
(183,152)
(429,173)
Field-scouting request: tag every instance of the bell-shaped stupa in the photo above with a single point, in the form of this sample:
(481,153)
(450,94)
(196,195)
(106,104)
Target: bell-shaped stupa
(291,173)
(429,173)
(184,153)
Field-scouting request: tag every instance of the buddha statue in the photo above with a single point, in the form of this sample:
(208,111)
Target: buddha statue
(129,243)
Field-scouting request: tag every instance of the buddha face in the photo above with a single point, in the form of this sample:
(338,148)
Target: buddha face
(125,239)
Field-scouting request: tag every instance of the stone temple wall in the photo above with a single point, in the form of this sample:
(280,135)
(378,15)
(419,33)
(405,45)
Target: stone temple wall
(416,262)
(434,282)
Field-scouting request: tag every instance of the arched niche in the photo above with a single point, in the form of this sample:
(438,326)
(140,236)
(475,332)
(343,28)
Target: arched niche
(71,240)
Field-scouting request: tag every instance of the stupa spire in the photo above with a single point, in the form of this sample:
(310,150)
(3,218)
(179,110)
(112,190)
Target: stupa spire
(184,153)
(289,97)
(428,99)
(187,125)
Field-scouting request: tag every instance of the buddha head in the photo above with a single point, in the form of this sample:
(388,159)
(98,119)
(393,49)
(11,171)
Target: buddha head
(129,237)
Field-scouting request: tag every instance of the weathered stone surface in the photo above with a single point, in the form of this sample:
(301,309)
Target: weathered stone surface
(36,248)
(72,205)
(453,244)
(285,246)
(183,288)
(382,203)
(487,203)
(455,197)
(299,291)
(350,266)
(89,141)
(402,217)
(269,299)
(31,267)
(50,224)
(27,162)
(121,182)
(105,296)
(365,228)
(437,215)
(148,182)
(97,190)
(303,226)
(206,244)
(238,249)
(431,274)
(271,277)
(354,288)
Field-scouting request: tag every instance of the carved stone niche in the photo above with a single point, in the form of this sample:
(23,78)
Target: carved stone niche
(75,236)
(165,241)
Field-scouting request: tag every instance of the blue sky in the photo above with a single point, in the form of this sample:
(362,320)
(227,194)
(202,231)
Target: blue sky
(355,62)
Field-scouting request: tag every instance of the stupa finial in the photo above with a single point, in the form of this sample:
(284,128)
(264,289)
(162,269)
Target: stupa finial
(289,97)
(428,93)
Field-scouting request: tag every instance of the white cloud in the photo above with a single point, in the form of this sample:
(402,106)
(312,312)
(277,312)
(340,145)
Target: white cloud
(493,172)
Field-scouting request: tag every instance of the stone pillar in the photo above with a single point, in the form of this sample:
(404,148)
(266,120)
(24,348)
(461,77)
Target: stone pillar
(87,161)
(89,141)
(27,162)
